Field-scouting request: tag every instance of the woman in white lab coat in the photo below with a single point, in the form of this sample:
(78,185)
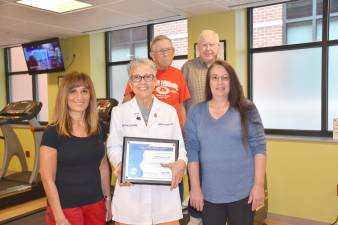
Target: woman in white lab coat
(145,116)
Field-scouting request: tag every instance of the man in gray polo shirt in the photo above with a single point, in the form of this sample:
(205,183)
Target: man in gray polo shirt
(195,70)
(195,74)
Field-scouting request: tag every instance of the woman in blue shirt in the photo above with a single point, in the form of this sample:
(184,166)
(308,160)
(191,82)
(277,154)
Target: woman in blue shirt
(225,142)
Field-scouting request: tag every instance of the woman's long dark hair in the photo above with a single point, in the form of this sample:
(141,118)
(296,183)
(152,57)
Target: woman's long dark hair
(236,97)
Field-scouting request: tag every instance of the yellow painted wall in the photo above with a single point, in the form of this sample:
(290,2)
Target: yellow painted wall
(89,58)
(27,142)
(302,179)
(2,79)
(2,95)
(78,46)
(98,63)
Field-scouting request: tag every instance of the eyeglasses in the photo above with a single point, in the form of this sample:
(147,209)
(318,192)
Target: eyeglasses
(145,77)
(216,78)
(164,51)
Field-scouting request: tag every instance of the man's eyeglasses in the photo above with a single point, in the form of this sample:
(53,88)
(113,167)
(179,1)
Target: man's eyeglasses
(216,78)
(145,77)
(165,51)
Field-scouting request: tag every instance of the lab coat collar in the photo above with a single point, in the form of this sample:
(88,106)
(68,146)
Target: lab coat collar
(136,108)
(153,112)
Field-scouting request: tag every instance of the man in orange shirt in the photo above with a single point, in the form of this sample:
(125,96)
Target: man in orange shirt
(171,87)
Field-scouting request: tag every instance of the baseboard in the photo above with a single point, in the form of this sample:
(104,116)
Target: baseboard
(290,220)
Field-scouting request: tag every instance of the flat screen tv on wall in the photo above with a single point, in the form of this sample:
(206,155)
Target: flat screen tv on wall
(43,56)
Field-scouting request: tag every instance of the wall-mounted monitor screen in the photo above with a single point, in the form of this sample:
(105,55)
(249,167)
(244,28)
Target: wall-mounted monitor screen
(43,56)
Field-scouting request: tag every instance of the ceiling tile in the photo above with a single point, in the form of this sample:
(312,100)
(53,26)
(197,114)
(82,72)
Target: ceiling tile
(23,12)
(181,3)
(90,19)
(203,8)
(138,7)
(45,30)
(2,2)
(8,21)
(146,10)
(14,37)
(100,2)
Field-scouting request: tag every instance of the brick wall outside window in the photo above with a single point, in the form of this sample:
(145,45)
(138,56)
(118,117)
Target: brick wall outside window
(268,26)
(177,31)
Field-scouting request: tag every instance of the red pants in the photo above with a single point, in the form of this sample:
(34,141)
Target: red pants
(91,214)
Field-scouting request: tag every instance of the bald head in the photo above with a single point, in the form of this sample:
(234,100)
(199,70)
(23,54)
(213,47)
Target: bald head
(208,34)
(208,46)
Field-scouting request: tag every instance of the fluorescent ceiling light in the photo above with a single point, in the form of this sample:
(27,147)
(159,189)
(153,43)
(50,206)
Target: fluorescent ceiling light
(59,6)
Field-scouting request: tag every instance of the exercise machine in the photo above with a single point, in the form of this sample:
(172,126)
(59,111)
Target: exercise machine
(17,187)
(104,108)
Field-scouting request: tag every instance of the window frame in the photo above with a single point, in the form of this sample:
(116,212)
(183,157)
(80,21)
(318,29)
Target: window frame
(324,44)
(18,73)
(109,64)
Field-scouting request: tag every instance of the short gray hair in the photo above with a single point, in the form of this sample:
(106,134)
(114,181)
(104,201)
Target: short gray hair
(159,38)
(141,61)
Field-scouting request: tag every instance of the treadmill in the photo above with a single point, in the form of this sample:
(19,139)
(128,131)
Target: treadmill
(104,108)
(17,187)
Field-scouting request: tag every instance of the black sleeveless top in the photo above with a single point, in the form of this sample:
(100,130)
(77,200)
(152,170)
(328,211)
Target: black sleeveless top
(78,179)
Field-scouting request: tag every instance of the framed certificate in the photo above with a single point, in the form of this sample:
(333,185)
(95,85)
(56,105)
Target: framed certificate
(142,158)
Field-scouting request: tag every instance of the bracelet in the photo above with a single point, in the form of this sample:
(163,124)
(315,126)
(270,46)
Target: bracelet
(107,197)
(64,223)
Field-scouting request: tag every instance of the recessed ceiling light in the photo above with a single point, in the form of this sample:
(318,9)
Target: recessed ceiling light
(59,6)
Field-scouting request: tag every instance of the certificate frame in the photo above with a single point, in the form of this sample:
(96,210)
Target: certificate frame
(141,159)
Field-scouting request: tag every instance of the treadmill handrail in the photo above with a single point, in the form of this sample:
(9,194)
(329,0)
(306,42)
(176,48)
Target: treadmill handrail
(38,129)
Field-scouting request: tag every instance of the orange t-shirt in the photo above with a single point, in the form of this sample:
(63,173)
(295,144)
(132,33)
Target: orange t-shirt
(170,88)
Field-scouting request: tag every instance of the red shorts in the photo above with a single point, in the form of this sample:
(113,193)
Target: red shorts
(91,214)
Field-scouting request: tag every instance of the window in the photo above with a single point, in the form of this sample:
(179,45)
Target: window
(333,20)
(294,22)
(20,86)
(123,45)
(303,20)
(177,31)
(23,86)
(293,80)
(333,85)
(288,86)
(118,80)
(128,43)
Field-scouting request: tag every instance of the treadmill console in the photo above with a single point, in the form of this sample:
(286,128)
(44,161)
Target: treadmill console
(22,110)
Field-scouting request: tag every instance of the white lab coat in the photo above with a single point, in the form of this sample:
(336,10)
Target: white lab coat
(144,204)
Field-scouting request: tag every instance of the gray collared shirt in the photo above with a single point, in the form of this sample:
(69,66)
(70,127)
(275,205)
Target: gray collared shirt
(195,74)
